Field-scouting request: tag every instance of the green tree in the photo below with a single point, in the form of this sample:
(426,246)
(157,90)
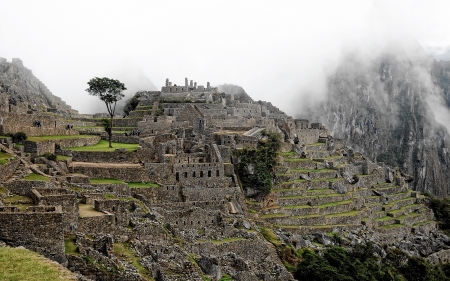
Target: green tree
(109,91)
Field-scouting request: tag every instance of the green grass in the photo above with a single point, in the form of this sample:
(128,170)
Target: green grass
(62,157)
(315,144)
(226,277)
(3,190)
(70,247)
(385,218)
(21,202)
(123,251)
(105,181)
(4,157)
(103,146)
(142,185)
(61,137)
(289,153)
(36,177)
(351,213)
(271,236)
(25,265)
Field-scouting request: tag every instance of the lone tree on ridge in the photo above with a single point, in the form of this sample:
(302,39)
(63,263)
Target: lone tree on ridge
(109,91)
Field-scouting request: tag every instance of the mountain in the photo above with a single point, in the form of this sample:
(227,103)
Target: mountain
(388,106)
(22,92)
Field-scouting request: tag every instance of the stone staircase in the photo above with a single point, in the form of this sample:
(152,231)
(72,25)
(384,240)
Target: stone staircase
(312,195)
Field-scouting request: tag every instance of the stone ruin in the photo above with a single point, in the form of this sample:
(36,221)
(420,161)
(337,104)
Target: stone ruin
(196,219)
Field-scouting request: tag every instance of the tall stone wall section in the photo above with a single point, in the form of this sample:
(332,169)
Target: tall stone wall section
(41,232)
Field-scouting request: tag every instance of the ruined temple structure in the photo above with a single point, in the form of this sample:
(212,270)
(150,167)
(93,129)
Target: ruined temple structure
(176,209)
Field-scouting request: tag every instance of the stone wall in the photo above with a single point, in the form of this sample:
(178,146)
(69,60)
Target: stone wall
(158,195)
(8,169)
(122,139)
(141,155)
(58,196)
(49,146)
(97,225)
(207,174)
(210,194)
(39,232)
(23,187)
(119,208)
(126,174)
(160,172)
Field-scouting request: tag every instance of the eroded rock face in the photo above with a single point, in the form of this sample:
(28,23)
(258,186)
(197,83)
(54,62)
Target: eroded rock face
(22,92)
(383,107)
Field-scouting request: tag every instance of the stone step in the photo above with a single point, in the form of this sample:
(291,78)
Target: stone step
(313,200)
(386,220)
(290,191)
(298,220)
(300,163)
(388,188)
(325,209)
(404,210)
(394,205)
(318,154)
(352,217)
(373,199)
(398,196)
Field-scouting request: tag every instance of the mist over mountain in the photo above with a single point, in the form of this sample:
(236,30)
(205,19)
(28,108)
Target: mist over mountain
(392,106)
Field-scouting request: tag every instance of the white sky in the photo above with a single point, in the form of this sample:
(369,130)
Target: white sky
(274,49)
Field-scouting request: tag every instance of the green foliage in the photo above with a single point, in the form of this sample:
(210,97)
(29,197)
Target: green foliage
(131,104)
(338,264)
(256,166)
(106,123)
(109,91)
(18,137)
(49,156)
(441,209)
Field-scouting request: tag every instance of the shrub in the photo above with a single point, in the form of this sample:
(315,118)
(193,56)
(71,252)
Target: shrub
(18,137)
(49,156)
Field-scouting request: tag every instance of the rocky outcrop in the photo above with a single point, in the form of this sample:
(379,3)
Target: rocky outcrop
(383,107)
(22,92)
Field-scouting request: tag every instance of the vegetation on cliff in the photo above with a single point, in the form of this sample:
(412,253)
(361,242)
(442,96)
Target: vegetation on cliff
(336,263)
(256,166)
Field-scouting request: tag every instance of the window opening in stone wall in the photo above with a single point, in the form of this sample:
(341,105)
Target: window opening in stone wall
(201,174)
(209,174)
(193,174)
(185,174)
(217,173)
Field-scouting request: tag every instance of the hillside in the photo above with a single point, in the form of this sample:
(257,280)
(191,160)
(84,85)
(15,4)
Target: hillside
(387,107)
(22,92)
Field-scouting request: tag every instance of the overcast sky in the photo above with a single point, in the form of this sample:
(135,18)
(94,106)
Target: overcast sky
(273,49)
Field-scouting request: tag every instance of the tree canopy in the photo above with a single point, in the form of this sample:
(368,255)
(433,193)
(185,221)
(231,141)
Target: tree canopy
(109,91)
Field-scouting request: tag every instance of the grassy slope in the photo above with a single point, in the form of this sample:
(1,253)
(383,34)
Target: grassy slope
(103,146)
(25,265)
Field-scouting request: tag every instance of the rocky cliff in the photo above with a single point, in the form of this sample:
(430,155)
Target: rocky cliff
(387,107)
(22,92)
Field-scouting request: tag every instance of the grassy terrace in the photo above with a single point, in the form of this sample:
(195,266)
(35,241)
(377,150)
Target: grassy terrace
(315,144)
(62,137)
(268,216)
(25,265)
(123,251)
(4,157)
(21,202)
(142,185)
(103,146)
(105,181)
(89,211)
(36,177)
